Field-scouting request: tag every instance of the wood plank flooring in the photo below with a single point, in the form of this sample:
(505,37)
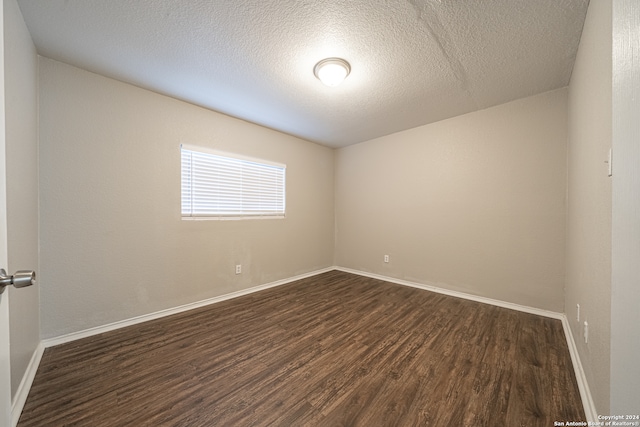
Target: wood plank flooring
(332,350)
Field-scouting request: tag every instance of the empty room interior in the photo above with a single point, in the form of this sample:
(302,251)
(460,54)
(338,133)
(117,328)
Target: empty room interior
(320,213)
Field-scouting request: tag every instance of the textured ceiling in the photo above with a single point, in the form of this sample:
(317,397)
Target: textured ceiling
(413,62)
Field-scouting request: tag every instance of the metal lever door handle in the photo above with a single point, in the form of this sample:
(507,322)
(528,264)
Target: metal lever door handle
(21,279)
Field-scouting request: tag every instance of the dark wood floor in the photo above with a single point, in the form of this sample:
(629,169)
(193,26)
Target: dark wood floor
(332,350)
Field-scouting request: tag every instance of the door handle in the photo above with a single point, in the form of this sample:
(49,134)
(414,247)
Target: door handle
(21,279)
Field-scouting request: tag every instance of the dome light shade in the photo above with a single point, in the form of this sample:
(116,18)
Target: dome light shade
(332,71)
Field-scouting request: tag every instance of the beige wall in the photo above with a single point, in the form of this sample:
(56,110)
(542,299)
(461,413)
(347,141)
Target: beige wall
(113,245)
(589,203)
(625,279)
(475,203)
(21,79)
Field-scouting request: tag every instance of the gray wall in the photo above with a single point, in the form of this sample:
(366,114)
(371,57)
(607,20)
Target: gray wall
(475,203)
(113,245)
(625,280)
(22,185)
(588,280)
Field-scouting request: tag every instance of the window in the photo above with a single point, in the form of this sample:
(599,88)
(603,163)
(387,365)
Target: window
(220,185)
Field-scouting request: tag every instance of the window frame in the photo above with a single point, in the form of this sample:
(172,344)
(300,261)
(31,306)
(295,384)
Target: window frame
(242,213)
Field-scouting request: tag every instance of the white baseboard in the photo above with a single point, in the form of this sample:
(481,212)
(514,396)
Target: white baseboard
(25,385)
(434,288)
(583,386)
(50,342)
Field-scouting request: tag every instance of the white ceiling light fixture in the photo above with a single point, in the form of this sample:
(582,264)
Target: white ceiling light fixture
(332,71)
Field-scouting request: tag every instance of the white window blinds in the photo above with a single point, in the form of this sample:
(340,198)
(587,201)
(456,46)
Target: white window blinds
(218,186)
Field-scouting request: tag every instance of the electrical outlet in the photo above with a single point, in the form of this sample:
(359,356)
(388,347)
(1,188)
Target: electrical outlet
(238,269)
(386,258)
(577,312)
(586,332)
